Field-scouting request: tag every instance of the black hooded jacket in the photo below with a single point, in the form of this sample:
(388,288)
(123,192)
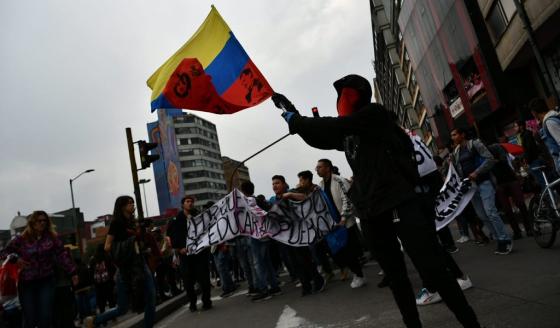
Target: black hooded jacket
(379,152)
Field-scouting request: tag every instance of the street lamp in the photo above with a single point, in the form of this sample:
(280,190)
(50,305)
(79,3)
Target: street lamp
(74,208)
(142,182)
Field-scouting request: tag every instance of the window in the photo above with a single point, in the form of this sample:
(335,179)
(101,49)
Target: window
(499,17)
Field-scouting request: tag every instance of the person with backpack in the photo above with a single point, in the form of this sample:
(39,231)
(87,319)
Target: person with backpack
(507,185)
(103,272)
(474,161)
(382,159)
(550,131)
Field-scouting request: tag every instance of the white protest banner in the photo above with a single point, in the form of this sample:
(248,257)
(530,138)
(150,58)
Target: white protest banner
(424,157)
(300,223)
(292,223)
(453,197)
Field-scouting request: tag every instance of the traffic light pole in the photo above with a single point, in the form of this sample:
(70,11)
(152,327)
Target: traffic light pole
(134,170)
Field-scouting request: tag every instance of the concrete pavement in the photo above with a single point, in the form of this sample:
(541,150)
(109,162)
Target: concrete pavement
(518,290)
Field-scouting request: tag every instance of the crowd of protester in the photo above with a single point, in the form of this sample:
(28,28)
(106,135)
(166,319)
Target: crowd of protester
(139,265)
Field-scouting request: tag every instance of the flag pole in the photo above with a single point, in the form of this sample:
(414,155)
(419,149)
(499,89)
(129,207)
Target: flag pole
(248,158)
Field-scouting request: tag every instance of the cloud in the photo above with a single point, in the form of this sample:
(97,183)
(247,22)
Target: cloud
(74,77)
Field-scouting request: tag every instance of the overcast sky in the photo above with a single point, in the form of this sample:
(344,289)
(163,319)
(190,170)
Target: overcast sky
(74,76)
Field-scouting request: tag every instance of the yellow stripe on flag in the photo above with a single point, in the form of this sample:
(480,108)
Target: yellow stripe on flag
(205,45)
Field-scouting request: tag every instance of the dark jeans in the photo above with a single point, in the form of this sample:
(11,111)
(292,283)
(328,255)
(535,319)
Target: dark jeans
(284,251)
(63,316)
(349,256)
(446,238)
(503,193)
(104,293)
(320,251)
(84,305)
(469,218)
(306,268)
(418,236)
(265,273)
(36,298)
(245,258)
(123,301)
(223,262)
(196,268)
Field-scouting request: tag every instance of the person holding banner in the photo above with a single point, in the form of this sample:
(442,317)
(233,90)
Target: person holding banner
(193,267)
(382,159)
(265,275)
(336,189)
(303,260)
(474,161)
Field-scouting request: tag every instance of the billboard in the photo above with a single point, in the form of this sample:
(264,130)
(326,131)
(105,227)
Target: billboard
(167,171)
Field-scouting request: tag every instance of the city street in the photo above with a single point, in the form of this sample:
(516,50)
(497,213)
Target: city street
(519,290)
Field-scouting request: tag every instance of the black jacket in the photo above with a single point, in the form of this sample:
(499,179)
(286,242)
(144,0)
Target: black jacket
(375,148)
(177,229)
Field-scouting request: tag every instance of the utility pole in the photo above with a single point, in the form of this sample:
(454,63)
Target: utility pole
(134,171)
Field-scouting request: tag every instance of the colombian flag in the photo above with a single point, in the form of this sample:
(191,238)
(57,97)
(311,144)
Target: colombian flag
(211,73)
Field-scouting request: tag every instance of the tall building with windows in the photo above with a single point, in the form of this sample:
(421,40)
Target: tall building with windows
(462,63)
(202,169)
(235,177)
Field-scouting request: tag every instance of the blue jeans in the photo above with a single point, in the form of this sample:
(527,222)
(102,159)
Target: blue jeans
(36,298)
(123,301)
(265,273)
(245,258)
(223,264)
(484,203)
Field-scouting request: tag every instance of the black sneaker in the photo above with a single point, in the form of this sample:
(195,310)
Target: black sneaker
(320,286)
(227,294)
(275,291)
(193,308)
(305,292)
(252,292)
(503,248)
(263,296)
(207,307)
(383,283)
(452,249)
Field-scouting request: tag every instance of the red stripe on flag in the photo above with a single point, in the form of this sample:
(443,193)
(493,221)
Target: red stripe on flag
(250,88)
(190,87)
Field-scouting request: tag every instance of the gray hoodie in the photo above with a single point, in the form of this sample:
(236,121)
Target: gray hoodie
(480,148)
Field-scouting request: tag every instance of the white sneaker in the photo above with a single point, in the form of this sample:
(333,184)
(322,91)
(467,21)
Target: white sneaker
(425,297)
(465,283)
(357,282)
(463,239)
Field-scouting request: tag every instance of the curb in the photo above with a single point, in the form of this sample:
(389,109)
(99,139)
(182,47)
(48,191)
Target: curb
(162,311)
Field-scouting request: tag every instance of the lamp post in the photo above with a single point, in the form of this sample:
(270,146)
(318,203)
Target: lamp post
(142,182)
(74,209)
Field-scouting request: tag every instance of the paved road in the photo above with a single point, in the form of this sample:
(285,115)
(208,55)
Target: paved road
(519,290)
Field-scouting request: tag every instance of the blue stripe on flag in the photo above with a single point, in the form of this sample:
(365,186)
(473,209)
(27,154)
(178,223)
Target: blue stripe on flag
(227,66)
(160,102)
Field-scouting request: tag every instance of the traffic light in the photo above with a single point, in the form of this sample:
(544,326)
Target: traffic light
(145,158)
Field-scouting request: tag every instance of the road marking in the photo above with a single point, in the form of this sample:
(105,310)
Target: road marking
(289,319)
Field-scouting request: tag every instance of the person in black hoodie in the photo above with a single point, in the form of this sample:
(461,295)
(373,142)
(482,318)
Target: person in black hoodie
(194,267)
(382,159)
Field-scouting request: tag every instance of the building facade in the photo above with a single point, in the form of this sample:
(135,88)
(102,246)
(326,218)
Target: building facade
(456,63)
(202,170)
(235,177)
